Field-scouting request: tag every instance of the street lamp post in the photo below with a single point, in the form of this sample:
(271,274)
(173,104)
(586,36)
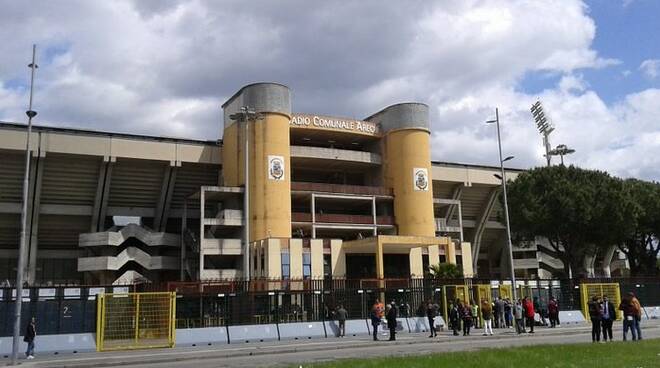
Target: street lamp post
(246,115)
(561,150)
(506,204)
(18,302)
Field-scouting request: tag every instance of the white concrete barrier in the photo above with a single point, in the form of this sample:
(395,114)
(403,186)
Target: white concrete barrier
(354,327)
(571,317)
(56,344)
(252,333)
(301,330)
(201,336)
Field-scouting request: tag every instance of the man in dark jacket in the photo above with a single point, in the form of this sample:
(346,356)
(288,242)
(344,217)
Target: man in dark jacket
(391,321)
(609,315)
(341,314)
(553,312)
(30,334)
(596,315)
(455,318)
(431,312)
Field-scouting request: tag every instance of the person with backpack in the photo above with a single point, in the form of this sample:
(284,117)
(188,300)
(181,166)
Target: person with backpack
(596,315)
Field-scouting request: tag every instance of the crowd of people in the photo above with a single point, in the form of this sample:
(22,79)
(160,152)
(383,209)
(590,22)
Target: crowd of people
(603,314)
(464,317)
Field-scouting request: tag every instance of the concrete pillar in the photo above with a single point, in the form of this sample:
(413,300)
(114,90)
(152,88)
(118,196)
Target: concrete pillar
(337,258)
(407,166)
(316,248)
(273,259)
(434,255)
(380,266)
(296,259)
(416,263)
(466,252)
(450,252)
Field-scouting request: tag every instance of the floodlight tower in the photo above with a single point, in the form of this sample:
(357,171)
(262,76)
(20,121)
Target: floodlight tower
(561,150)
(544,126)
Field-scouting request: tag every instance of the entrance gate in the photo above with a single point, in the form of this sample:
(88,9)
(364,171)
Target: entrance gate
(452,292)
(611,291)
(135,321)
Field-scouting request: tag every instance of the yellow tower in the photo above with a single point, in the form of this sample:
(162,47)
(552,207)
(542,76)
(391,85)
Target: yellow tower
(407,166)
(269,156)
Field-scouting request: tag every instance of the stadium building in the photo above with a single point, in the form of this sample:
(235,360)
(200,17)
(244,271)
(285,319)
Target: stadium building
(327,197)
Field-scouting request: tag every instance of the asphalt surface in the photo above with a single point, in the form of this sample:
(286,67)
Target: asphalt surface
(299,353)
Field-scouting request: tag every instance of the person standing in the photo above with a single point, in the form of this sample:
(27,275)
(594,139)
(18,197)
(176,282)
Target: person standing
(528,306)
(467,320)
(508,313)
(375,318)
(341,314)
(487,315)
(519,314)
(455,318)
(475,314)
(609,315)
(638,314)
(391,320)
(596,315)
(30,335)
(628,317)
(431,312)
(553,312)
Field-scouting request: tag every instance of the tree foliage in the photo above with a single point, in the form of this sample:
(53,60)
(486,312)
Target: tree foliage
(641,245)
(445,271)
(580,212)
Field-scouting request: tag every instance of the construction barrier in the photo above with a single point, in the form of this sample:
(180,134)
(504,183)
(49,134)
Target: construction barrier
(135,321)
(610,290)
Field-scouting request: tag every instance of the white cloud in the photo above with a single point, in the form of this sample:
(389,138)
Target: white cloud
(650,68)
(164,67)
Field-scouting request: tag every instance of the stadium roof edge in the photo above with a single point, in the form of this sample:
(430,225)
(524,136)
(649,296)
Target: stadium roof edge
(66,130)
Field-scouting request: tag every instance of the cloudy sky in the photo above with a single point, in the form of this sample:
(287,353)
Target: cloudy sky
(165,67)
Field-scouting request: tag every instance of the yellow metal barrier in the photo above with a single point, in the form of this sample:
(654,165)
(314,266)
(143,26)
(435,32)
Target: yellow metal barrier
(523,291)
(135,321)
(452,292)
(611,291)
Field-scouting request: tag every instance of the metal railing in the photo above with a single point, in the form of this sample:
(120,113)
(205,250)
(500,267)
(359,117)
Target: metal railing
(340,188)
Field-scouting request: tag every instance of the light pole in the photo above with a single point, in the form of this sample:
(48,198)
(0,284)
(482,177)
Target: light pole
(544,126)
(246,115)
(506,204)
(18,303)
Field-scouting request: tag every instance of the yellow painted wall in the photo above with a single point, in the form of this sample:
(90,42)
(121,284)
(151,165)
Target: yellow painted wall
(270,200)
(406,149)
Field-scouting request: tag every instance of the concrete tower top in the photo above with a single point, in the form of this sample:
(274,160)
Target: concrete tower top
(402,116)
(260,97)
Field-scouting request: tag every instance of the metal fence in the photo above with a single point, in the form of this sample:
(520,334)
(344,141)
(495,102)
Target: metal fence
(235,302)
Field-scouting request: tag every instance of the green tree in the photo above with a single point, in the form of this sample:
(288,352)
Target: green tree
(445,271)
(579,211)
(641,245)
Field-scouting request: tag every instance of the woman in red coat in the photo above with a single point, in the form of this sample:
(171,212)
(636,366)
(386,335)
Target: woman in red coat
(529,313)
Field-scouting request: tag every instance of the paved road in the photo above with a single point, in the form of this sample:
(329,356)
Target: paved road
(283,354)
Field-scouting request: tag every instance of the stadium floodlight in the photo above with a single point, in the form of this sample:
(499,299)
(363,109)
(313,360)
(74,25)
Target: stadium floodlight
(561,150)
(502,177)
(544,126)
(246,115)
